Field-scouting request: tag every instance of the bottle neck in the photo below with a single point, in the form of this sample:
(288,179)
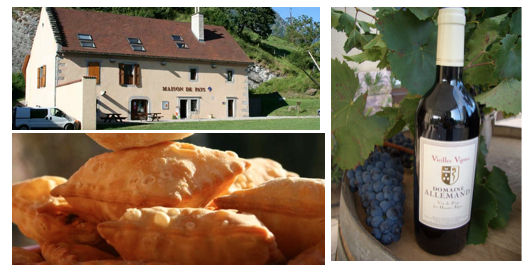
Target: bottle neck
(449,73)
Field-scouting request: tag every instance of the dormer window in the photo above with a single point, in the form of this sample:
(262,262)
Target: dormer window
(182,45)
(136,44)
(86,40)
(177,38)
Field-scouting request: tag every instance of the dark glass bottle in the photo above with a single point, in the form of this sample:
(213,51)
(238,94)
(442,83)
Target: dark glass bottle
(449,115)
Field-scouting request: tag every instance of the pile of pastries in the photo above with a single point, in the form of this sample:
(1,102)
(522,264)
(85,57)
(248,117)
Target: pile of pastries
(155,201)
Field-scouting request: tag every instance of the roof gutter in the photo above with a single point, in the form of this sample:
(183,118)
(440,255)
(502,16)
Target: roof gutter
(153,57)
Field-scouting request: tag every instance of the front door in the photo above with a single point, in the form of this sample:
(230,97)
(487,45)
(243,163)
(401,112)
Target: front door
(183,109)
(230,108)
(139,109)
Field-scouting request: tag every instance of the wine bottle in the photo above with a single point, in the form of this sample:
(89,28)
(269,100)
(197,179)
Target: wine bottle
(446,142)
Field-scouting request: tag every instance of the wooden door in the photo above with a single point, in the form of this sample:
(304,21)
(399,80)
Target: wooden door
(94,71)
(139,109)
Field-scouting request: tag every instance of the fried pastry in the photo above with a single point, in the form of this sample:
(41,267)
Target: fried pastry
(293,209)
(169,174)
(191,236)
(262,170)
(63,253)
(45,218)
(312,256)
(117,141)
(23,256)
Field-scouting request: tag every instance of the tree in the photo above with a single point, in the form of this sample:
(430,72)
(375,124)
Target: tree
(259,20)
(302,31)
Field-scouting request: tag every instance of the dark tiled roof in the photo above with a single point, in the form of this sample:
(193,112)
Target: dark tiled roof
(110,33)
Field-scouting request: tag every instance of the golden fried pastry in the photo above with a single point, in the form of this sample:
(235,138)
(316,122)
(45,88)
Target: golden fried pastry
(293,209)
(262,170)
(45,218)
(120,141)
(169,174)
(117,262)
(63,253)
(23,256)
(312,256)
(191,236)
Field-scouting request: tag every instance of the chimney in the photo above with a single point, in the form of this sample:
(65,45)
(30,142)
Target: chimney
(197,25)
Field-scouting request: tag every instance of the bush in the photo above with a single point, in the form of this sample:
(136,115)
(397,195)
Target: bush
(19,86)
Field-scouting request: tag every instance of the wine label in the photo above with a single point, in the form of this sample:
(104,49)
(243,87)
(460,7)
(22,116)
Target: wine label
(447,174)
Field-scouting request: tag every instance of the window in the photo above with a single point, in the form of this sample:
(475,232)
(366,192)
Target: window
(57,112)
(38,113)
(94,71)
(230,74)
(194,105)
(136,44)
(86,40)
(41,76)
(182,45)
(193,74)
(129,74)
(177,38)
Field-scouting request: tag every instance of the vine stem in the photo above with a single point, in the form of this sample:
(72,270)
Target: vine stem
(480,53)
(366,13)
(398,147)
(473,65)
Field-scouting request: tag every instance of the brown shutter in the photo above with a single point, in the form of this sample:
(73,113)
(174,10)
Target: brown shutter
(38,77)
(136,74)
(121,74)
(94,71)
(43,76)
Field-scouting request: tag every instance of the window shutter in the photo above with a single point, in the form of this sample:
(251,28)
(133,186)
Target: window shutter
(122,74)
(43,76)
(94,71)
(136,74)
(38,77)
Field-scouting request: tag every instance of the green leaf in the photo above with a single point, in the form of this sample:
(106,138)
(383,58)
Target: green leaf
(384,11)
(481,170)
(485,34)
(347,22)
(497,184)
(408,110)
(393,116)
(355,39)
(335,18)
(376,42)
(482,74)
(504,97)
(364,26)
(413,50)
(367,55)
(475,10)
(483,209)
(384,60)
(423,13)
(515,24)
(509,58)
(355,134)
(495,11)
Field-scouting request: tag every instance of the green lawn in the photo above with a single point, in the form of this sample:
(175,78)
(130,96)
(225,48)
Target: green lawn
(270,124)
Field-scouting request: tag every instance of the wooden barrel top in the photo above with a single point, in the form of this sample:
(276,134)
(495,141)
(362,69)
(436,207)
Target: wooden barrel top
(501,244)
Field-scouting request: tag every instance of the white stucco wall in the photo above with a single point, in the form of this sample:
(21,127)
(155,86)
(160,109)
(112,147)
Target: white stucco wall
(78,101)
(43,52)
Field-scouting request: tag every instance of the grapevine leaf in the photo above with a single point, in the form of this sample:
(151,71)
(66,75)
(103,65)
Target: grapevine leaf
(475,10)
(335,18)
(515,24)
(347,22)
(495,11)
(355,134)
(423,13)
(376,42)
(384,61)
(355,39)
(504,97)
(367,55)
(384,11)
(481,170)
(485,35)
(497,184)
(364,26)
(413,49)
(396,123)
(408,110)
(509,58)
(483,209)
(482,74)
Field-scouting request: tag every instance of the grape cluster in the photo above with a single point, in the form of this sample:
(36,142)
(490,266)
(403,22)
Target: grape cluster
(379,184)
(401,140)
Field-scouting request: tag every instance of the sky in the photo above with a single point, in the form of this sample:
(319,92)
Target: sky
(284,12)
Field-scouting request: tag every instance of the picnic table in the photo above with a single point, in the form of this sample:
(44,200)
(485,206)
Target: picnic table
(154,116)
(112,117)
